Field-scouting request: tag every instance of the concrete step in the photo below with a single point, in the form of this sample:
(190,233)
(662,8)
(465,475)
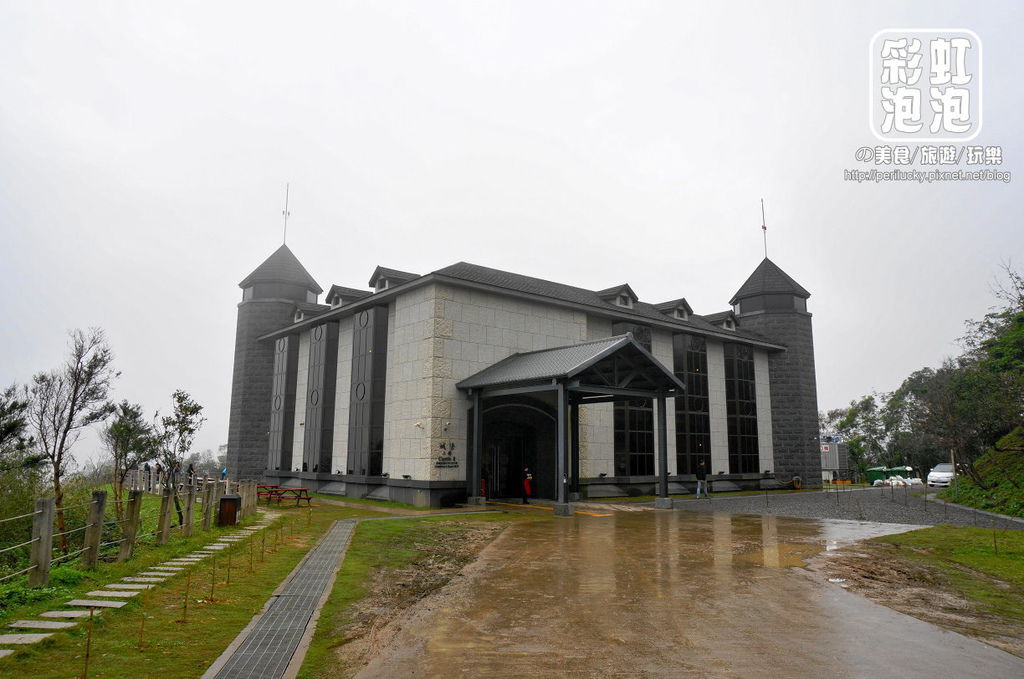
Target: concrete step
(41,624)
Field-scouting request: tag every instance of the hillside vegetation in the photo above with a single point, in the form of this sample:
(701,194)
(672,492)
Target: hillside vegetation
(1001,469)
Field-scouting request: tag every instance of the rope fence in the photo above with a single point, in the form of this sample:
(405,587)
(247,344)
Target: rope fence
(146,516)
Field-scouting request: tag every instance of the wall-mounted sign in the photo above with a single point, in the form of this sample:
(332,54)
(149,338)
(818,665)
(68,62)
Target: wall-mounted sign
(447,459)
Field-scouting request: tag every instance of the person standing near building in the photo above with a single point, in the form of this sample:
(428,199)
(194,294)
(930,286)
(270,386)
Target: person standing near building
(702,480)
(527,485)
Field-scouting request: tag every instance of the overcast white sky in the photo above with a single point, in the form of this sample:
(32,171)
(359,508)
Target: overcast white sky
(144,150)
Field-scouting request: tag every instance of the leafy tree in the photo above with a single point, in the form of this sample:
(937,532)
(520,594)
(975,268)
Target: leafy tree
(64,401)
(131,442)
(175,434)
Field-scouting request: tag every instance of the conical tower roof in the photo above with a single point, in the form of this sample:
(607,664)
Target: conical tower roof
(769,279)
(282,267)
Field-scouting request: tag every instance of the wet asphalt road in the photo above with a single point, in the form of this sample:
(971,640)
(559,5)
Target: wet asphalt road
(672,594)
(882,505)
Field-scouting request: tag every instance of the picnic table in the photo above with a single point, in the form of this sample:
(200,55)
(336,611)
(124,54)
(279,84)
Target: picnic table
(279,493)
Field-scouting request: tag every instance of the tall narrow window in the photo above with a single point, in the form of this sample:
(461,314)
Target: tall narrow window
(282,404)
(693,422)
(634,420)
(318,436)
(741,408)
(366,401)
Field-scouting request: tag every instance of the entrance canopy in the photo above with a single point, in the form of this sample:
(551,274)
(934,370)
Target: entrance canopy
(612,368)
(609,369)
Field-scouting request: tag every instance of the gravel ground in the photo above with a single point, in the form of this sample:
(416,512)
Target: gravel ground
(872,504)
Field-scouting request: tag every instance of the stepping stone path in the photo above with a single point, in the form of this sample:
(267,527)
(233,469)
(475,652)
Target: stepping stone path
(66,614)
(22,638)
(95,603)
(120,595)
(128,587)
(41,624)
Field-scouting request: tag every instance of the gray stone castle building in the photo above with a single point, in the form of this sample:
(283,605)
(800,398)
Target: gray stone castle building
(431,389)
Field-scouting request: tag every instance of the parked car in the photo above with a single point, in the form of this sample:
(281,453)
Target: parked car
(941,475)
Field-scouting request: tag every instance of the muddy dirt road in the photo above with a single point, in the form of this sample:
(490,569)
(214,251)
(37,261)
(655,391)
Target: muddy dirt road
(670,594)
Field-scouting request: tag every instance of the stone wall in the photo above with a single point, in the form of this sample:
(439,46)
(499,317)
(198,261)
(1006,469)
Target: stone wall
(793,393)
(252,385)
(472,330)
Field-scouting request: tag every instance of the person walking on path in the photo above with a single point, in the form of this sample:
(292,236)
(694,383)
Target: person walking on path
(527,485)
(702,480)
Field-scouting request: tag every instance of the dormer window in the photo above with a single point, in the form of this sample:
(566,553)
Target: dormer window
(621,295)
(729,324)
(680,314)
(298,315)
(383,279)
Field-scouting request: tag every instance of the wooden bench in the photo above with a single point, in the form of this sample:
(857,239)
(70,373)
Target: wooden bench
(279,494)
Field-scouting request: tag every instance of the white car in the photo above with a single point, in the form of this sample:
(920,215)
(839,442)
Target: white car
(941,475)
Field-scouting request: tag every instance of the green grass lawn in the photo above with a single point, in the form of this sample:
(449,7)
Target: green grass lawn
(370,502)
(173,649)
(984,565)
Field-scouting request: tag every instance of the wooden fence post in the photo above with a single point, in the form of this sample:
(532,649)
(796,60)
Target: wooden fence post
(207,504)
(164,527)
(94,530)
(41,550)
(131,525)
(190,503)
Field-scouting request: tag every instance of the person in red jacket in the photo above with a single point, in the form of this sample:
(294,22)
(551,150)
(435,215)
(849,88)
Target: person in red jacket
(527,485)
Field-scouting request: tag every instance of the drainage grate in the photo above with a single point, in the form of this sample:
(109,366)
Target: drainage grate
(272,640)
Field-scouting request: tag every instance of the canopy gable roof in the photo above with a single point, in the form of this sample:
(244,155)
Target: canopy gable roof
(612,365)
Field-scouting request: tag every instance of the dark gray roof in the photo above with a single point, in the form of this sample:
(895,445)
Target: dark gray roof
(347,293)
(282,267)
(641,311)
(560,362)
(613,293)
(672,305)
(715,319)
(310,310)
(391,275)
(769,279)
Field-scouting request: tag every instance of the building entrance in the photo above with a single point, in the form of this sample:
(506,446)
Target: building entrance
(504,461)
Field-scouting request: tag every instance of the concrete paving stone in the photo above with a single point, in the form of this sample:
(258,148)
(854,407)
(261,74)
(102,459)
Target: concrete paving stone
(103,592)
(130,579)
(4,652)
(166,568)
(121,585)
(153,574)
(22,638)
(96,603)
(66,614)
(41,624)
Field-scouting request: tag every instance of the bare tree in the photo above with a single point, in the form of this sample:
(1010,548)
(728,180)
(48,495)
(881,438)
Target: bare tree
(64,401)
(131,441)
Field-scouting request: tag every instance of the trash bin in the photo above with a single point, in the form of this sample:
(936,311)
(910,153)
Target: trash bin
(227,514)
(876,474)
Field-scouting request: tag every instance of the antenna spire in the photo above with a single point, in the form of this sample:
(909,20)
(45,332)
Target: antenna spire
(286,214)
(764,230)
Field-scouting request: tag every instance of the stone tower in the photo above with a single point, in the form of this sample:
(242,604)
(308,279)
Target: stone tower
(773,305)
(269,296)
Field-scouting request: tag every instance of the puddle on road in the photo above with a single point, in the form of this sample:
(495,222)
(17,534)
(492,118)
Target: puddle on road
(642,594)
